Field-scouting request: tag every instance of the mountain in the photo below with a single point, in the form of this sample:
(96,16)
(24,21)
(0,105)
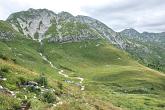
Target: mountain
(62,27)
(149,48)
(65,62)
(43,24)
(145,36)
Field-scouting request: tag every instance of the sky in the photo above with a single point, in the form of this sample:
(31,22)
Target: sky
(142,15)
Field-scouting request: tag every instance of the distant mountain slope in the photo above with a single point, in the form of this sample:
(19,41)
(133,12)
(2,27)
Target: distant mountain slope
(147,47)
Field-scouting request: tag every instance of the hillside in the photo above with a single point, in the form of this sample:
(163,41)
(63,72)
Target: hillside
(149,48)
(40,24)
(71,67)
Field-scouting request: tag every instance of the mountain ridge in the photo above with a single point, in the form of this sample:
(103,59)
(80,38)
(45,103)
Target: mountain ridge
(43,24)
(81,68)
(83,22)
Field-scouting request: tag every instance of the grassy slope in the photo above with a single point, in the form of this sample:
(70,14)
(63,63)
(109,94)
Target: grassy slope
(20,56)
(154,57)
(29,65)
(110,74)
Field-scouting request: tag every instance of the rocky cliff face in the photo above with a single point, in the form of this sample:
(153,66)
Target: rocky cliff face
(40,24)
(32,23)
(144,37)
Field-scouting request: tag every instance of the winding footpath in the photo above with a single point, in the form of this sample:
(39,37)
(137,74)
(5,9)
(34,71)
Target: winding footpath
(61,72)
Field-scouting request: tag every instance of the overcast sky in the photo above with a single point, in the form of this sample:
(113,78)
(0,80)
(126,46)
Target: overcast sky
(142,15)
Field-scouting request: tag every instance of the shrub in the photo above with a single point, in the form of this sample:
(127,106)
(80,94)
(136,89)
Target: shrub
(3,71)
(42,80)
(16,107)
(14,60)
(4,57)
(22,80)
(48,97)
(60,85)
(34,89)
(20,95)
(161,105)
(25,105)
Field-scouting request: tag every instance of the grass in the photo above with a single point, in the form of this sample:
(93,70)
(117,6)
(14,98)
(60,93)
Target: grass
(112,79)
(110,74)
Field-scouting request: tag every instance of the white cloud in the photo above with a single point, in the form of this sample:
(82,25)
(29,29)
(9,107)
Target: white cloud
(143,15)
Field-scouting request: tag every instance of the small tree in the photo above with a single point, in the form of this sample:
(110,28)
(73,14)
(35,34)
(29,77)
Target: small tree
(42,80)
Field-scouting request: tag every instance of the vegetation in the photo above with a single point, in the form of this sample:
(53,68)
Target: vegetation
(42,80)
(112,79)
(48,97)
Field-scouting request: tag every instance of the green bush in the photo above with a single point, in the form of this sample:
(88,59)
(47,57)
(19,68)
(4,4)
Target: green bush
(161,105)
(42,80)
(34,89)
(22,80)
(48,97)
(3,71)
(60,85)
(4,57)
(14,60)
(16,107)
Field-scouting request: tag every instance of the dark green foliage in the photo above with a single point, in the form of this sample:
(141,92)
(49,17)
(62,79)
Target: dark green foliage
(4,57)
(48,97)
(25,105)
(52,30)
(42,80)
(60,85)
(156,65)
(14,60)
(16,107)
(22,80)
(161,105)
(4,71)
(34,89)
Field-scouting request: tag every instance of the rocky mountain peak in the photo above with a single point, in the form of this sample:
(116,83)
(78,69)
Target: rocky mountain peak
(65,14)
(130,32)
(33,22)
(40,24)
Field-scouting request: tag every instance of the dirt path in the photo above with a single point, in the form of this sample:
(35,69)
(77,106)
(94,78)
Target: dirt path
(61,72)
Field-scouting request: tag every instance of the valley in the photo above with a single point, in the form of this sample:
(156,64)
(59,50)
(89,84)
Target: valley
(63,62)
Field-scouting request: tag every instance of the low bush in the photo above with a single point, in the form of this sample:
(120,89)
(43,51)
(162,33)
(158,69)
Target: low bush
(42,80)
(34,89)
(4,57)
(48,97)
(60,85)
(3,71)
